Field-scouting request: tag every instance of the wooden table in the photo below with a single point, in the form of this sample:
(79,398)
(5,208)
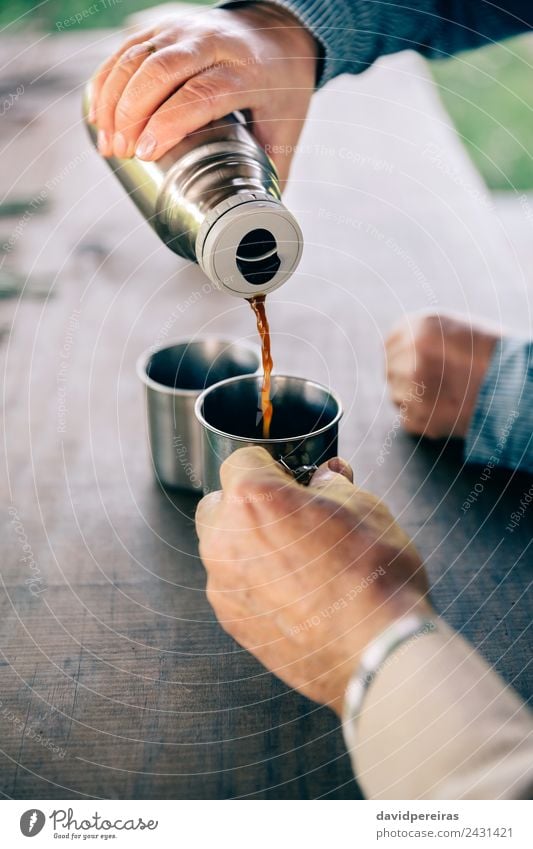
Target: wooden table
(116,680)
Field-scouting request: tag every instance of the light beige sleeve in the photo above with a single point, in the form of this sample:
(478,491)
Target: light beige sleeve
(438,723)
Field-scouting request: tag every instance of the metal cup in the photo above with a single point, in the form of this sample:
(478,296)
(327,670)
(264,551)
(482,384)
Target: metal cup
(174,376)
(304,430)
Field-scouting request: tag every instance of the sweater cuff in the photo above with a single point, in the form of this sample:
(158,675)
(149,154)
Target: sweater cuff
(438,723)
(501,430)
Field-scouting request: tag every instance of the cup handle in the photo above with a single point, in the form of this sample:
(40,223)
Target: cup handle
(302,474)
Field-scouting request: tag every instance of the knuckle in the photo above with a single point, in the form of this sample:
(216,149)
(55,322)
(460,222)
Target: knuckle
(125,114)
(206,33)
(205,89)
(425,351)
(412,426)
(129,55)
(262,502)
(248,491)
(160,66)
(110,97)
(106,111)
(405,407)
(429,331)
(431,322)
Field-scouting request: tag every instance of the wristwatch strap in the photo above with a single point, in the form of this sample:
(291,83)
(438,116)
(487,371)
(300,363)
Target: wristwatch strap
(374,657)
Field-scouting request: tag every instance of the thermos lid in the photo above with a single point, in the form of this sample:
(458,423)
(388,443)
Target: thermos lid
(249,246)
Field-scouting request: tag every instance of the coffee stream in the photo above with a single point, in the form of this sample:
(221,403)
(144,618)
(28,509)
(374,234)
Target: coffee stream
(259,307)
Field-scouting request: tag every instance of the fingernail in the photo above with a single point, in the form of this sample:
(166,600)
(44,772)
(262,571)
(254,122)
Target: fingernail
(146,146)
(120,145)
(340,467)
(103,142)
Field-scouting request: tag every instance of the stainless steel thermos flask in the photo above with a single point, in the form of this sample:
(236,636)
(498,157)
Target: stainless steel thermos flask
(215,199)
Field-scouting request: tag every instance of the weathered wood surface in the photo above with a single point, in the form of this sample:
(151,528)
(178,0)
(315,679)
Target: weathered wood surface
(116,659)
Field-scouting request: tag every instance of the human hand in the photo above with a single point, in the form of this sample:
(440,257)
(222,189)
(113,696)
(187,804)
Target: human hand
(435,368)
(174,78)
(305,577)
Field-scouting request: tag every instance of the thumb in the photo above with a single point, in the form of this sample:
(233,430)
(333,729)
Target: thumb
(334,478)
(252,464)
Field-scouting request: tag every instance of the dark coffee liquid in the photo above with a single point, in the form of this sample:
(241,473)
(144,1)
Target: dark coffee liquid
(259,307)
(232,409)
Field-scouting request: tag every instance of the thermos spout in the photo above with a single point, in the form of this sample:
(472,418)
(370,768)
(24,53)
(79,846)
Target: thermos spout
(214,198)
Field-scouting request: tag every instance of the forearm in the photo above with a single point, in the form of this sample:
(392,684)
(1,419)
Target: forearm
(354,33)
(501,430)
(438,723)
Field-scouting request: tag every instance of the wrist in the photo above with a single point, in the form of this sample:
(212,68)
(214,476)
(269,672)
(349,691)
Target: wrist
(476,365)
(377,655)
(499,433)
(301,43)
(405,604)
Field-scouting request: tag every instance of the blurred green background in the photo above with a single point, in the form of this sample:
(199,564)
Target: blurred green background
(488,92)
(489,95)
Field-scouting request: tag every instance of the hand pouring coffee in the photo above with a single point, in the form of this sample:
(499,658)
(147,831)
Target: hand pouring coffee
(215,199)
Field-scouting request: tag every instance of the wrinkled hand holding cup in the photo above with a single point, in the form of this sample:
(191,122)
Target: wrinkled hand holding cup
(305,577)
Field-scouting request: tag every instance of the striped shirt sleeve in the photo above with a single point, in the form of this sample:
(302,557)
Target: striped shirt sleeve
(501,430)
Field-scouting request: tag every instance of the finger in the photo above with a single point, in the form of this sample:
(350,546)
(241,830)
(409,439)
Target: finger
(100,76)
(332,470)
(140,93)
(206,512)
(399,381)
(277,127)
(395,346)
(332,467)
(204,98)
(398,332)
(252,464)
(401,367)
(414,425)
(117,78)
(278,135)
(334,478)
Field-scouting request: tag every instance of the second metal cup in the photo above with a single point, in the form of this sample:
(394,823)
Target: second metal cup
(174,376)
(304,426)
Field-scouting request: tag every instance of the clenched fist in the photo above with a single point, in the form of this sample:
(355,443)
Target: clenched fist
(174,78)
(305,577)
(435,368)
